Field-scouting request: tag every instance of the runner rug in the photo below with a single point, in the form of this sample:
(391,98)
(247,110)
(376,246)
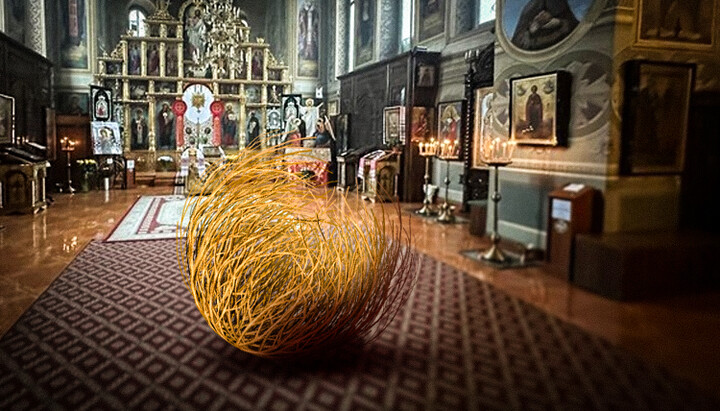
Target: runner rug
(118,330)
(150,218)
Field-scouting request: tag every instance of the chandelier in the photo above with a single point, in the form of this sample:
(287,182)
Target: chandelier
(225,27)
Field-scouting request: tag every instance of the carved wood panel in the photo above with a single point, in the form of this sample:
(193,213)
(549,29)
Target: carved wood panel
(367,91)
(479,74)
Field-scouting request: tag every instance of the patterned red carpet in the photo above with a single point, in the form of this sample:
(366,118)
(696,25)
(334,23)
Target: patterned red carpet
(118,330)
(150,218)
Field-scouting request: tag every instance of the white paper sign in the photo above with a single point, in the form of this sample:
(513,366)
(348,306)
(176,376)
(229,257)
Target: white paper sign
(575,187)
(561,209)
(130,164)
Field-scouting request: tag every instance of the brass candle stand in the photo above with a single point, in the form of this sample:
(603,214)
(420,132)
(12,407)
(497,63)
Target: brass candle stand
(427,150)
(68,146)
(448,150)
(496,153)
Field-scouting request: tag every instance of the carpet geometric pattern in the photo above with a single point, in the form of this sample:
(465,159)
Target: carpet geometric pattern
(150,218)
(118,330)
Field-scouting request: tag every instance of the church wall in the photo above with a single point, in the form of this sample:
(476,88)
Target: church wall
(457,37)
(586,53)
(653,198)
(305,82)
(24,22)
(606,39)
(276,28)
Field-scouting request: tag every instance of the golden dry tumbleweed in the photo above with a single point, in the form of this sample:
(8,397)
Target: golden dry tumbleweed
(277,269)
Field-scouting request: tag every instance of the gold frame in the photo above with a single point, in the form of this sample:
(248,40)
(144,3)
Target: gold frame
(9,120)
(555,86)
(416,18)
(479,125)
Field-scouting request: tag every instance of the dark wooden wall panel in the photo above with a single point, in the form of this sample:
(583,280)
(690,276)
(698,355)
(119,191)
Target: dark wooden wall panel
(365,92)
(26,76)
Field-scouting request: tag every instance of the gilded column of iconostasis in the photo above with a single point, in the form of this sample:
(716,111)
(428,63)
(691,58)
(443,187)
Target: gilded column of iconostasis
(198,78)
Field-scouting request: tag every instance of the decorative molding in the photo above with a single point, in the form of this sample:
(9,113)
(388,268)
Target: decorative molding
(2,16)
(332,42)
(341,36)
(36,25)
(388,28)
(562,168)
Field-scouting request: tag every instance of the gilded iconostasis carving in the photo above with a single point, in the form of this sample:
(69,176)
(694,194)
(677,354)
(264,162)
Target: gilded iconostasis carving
(167,80)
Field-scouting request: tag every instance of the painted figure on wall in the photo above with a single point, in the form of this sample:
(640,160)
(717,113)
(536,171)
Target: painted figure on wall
(73,45)
(15,19)
(253,132)
(365,31)
(534,110)
(274,119)
(106,139)
(273,96)
(366,23)
(432,18)
(258,58)
(166,127)
(308,30)
(538,24)
(293,132)
(74,104)
(139,131)
(252,94)
(322,134)
(421,124)
(134,59)
(228,122)
(153,57)
(101,108)
(291,110)
(449,123)
(309,113)
(689,21)
(171,64)
(6,119)
(194,34)
(308,33)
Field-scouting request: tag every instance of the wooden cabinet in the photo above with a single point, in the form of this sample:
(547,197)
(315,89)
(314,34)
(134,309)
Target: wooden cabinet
(410,80)
(380,171)
(22,187)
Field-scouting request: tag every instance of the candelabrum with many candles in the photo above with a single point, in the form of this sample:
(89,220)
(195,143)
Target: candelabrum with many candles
(496,152)
(447,150)
(68,146)
(428,149)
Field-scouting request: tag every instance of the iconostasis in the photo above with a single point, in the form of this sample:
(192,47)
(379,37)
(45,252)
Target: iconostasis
(197,78)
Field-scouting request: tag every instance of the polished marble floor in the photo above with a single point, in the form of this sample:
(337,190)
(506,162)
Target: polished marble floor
(680,333)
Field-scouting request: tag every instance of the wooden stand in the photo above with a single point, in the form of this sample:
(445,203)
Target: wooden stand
(22,188)
(380,176)
(570,212)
